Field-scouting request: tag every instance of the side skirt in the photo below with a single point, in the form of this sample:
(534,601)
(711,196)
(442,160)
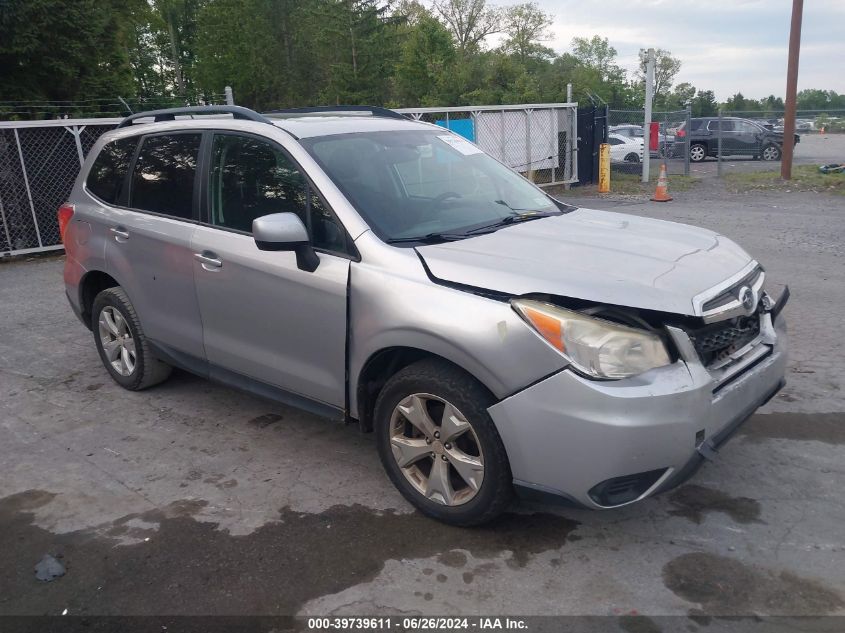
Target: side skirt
(207,370)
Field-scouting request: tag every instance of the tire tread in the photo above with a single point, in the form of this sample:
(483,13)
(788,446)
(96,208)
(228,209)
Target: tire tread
(152,370)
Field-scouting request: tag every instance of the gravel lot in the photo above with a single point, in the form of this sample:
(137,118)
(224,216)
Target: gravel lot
(191,498)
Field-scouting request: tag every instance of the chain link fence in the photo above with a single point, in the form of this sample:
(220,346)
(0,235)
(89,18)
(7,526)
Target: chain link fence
(539,141)
(626,137)
(39,161)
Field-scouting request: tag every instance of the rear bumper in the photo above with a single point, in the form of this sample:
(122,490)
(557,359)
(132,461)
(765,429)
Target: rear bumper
(566,435)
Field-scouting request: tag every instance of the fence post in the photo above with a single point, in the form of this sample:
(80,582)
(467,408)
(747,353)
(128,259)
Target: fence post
(503,144)
(528,164)
(572,145)
(686,143)
(719,147)
(230,98)
(649,96)
(28,191)
(77,131)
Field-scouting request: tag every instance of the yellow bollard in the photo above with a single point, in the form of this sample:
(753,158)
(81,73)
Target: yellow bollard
(604,168)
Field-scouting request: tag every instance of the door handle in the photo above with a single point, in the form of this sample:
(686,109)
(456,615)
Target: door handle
(120,233)
(208,260)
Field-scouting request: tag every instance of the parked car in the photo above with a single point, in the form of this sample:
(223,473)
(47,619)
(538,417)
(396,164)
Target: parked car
(387,271)
(740,137)
(627,129)
(625,149)
(665,140)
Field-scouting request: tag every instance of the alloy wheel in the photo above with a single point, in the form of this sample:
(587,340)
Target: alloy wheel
(436,449)
(771,153)
(117,341)
(696,153)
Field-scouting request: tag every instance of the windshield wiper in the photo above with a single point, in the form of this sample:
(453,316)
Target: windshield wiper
(431,238)
(512,219)
(428,238)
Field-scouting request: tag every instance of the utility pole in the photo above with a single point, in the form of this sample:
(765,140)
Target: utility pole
(649,97)
(791,90)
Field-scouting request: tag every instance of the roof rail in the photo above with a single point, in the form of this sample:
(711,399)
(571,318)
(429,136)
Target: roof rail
(338,109)
(170,114)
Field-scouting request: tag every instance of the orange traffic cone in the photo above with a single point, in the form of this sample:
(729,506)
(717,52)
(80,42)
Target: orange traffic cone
(661,192)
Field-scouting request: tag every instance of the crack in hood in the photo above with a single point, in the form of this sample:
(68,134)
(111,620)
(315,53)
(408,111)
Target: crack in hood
(596,256)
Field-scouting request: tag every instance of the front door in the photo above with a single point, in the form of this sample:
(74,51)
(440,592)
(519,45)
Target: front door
(748,138)
(263,317)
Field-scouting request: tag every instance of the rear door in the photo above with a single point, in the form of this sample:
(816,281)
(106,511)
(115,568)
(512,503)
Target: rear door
(730,144)
(263,317)
(149,245)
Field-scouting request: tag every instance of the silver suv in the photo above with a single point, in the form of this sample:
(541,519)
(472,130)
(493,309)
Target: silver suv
(370,268)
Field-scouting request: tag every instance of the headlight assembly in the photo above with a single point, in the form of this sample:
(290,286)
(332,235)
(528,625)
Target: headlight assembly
(595,347)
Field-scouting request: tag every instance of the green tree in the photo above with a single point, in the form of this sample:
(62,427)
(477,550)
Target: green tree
(425,64)
(705,104)
(597,54)
(470,22)
(70,51)
(666,67)
(526,26)
(681,96)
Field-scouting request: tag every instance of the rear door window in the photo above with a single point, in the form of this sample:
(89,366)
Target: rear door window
(163,176)
(108,173)
(727,125)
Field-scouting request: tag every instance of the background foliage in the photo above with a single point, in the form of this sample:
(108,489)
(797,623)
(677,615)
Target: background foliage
(286,53)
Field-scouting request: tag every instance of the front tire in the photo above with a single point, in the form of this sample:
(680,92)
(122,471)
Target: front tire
(632,158)
(771,152)
(121,342)
(439,445)
(697,152)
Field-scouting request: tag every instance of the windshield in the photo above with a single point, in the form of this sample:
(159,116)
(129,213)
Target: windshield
(423,184)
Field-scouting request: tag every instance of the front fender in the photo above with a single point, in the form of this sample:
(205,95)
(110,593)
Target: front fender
(483,336)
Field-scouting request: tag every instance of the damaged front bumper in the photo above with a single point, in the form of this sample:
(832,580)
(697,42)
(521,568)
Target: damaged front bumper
(604,444)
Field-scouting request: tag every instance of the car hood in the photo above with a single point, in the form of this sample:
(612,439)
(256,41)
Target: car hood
(595,256)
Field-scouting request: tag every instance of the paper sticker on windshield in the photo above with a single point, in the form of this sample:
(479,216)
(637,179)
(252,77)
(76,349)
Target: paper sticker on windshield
(460,143)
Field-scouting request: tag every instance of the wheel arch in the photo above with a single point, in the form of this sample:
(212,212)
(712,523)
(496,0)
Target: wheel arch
(92,284)
(377,370)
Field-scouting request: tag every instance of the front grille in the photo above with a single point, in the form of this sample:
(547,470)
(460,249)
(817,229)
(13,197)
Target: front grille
(732,293)
(714,342)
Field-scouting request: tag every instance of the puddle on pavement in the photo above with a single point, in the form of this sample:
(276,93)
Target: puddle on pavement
(188,566)
(693,502)
(817,427)
(726,586)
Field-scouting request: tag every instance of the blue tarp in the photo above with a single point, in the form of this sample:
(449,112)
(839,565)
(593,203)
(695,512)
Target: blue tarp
(463,127)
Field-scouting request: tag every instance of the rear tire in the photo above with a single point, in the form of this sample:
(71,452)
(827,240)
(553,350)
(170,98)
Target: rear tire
(455,466)
(121,342)
(632,158)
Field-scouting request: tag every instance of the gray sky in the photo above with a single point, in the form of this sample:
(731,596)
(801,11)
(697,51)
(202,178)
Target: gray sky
(726,46)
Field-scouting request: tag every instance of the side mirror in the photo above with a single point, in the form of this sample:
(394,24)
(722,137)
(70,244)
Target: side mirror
(285,232)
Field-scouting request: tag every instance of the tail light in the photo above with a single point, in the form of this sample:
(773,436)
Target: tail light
(64,215)
(681,133)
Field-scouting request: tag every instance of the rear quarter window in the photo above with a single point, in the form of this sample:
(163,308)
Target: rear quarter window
(108,173)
